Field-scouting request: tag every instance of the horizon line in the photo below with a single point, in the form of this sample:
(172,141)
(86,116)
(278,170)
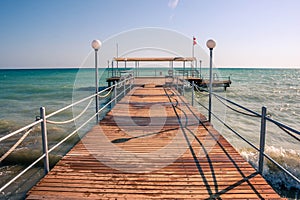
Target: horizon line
(203,67)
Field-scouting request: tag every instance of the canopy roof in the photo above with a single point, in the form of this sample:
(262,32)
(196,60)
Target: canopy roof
(155,59)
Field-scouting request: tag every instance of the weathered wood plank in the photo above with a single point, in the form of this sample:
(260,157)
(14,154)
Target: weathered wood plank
(182,159)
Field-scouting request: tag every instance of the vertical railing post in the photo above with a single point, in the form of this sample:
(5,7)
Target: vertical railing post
(115,92)
(262,140)
(193,93)
(124,87)
(177,83)
(183,88)
(131,81)
(44,139)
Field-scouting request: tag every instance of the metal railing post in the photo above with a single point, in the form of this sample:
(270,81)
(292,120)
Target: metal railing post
(183,88)
(124,87)
(262,140)
(177,83)
(115,93)
(193,93)
(44,139)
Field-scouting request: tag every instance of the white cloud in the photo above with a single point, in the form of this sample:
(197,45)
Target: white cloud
(173,3)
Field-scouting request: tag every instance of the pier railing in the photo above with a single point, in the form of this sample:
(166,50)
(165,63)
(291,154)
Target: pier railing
(295,134)
(115,93)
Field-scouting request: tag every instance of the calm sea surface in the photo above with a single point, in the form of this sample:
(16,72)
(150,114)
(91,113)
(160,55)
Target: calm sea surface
(23,92)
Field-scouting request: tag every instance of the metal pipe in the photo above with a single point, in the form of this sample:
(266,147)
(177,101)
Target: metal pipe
(20,130)
(193,93)
(177,83)
(44,139)
(124,88)
(96,85)
(240,106)
(283,126)
(210,85)
(282,168)
(115,94)
(112,68)
(43,121)
(182,87)
(262,140)
(183,69)
(200,68)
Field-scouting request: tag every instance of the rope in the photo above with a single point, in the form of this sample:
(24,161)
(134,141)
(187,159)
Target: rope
(105,94)
(16,144)
(247,114)
(197,88)
(292,135)
(201,104)
(73,119)
(119,84)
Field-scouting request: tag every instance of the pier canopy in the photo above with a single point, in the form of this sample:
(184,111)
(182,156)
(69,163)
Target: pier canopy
(135,63)
(154,59)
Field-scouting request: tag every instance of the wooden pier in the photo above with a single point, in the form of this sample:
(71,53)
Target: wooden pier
(204,83)
(153,145)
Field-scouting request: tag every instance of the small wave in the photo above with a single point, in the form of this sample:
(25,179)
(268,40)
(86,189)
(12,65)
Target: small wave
(7,126)
(25,156)
(279,180)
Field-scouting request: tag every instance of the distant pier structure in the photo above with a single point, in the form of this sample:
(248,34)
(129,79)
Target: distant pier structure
(189,70)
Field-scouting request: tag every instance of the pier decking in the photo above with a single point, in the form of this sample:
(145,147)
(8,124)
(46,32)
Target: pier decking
(152,144)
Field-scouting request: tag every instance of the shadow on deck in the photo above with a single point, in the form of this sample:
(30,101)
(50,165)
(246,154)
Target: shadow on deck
(151,145)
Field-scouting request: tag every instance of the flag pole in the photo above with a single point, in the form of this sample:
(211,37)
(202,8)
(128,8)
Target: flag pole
(193,46)
(193,50)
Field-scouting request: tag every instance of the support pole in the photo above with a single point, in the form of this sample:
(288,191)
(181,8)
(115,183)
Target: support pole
(210,86)
(183,69)
(112,68)
(200,68)
(193,93)
(131,81)
(44,139)
(262,140)
(182,87)
(135,68)
(124,87)
(97,87)
(177,83)
(115,93)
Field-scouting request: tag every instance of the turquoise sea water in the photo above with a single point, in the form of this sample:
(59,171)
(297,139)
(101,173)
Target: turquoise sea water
(23,92)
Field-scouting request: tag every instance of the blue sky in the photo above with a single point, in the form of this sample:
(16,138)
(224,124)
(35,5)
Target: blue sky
(58,33)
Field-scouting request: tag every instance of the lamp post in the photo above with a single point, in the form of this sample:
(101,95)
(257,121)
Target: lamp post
(211,45)
(96,44)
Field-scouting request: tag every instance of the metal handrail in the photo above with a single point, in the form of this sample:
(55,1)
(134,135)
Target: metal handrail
(115,97)
(129,80)
(264,118)
(20,130)
(259,115)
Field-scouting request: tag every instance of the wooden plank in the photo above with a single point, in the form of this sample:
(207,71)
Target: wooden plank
(142,124)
